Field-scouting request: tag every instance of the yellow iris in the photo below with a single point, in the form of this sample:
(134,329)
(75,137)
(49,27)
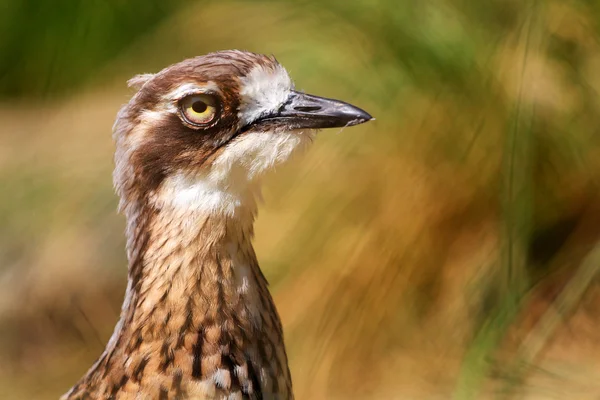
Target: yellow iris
(199,109)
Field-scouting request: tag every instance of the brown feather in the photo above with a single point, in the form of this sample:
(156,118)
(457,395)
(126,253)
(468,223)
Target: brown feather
(198,321)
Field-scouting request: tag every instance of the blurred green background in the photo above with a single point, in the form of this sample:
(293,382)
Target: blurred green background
(444,251)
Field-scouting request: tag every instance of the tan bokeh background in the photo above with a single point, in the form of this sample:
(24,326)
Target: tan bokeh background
(413,257)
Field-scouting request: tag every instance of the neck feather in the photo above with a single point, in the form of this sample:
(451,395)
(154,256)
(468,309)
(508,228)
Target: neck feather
(197,320)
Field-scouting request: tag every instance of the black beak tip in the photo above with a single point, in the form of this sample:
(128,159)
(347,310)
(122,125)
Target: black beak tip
(359,116)
(305,111)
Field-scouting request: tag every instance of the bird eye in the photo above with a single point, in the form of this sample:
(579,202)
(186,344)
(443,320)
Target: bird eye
(199,109)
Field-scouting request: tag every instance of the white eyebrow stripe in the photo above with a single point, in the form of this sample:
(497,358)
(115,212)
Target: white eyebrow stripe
(263,90)
(191,88)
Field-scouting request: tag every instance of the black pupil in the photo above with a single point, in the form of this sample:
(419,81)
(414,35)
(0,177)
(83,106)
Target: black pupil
(199,106)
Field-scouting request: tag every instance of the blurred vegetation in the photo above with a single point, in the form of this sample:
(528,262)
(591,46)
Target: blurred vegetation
(444,251)
(47,48)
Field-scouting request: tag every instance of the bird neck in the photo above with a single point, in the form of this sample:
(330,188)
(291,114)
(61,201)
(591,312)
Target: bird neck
(197,318)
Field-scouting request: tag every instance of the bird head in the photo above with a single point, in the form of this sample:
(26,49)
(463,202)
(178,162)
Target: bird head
(199,134)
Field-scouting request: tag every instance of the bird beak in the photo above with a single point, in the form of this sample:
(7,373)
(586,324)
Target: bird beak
(305,111)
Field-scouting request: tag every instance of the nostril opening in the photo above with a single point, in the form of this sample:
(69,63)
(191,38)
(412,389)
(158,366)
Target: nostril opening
(307,108)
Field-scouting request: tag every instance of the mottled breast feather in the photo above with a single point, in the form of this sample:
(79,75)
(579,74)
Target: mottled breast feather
(197,321)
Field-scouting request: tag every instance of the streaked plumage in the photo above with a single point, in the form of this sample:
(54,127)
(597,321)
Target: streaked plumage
(198,321)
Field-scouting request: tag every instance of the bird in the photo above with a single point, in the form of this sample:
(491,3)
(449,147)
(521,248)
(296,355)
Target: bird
(191,148)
